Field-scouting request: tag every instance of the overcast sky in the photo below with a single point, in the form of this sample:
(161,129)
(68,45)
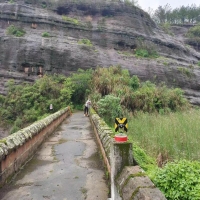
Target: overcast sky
(145,4)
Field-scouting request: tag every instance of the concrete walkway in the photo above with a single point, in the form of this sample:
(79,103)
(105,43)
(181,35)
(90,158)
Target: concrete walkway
(66,167)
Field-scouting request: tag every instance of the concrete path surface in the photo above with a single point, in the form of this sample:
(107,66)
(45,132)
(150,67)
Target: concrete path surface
(66,167)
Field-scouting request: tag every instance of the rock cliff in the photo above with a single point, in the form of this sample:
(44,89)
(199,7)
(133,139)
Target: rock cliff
(114,29)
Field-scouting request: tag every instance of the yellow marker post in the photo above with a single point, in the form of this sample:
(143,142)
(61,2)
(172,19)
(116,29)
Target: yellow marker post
(121,124)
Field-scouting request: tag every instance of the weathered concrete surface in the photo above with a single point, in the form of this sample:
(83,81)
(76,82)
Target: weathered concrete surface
(134,184)
(67,167)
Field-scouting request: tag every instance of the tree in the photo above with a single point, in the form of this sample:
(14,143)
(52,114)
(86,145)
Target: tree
(183,14)
(162,13)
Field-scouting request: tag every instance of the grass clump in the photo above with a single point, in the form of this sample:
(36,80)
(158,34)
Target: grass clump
(45,34)
(144,53)
(166,27)
(13,30)
(85,42)
(174,135)
(194,32)
(185,71)
(69,19)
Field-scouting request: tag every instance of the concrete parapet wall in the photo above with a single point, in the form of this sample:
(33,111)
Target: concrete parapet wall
(104,137)
(131,181)
(135,185)
(19,147)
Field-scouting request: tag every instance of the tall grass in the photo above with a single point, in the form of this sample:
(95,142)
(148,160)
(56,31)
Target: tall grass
(176,135)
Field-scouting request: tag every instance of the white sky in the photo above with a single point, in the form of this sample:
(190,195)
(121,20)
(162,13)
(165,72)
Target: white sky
(145,4)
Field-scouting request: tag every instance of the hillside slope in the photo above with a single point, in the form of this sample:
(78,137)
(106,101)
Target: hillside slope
(115,31)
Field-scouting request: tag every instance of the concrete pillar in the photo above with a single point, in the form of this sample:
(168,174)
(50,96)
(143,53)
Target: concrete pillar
(121,156)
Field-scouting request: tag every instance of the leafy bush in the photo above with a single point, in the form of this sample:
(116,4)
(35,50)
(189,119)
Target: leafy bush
(143,160)
(14,129)
(131,2)
(44,5)
(194,31)
(179,180)
(85,42)
(45,34)
(185,71)
(167,28)
(144,53)
(135,82)
(26,103)
(109,108)
(12,30)
(69,19)
(134,95)
(81,81)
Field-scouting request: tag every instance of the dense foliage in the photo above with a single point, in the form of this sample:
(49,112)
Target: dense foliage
(194,31)
(132,94)
(115,93)
(146,53)
(179,180)
(85,42)
(181,15)
(16,31)
(108,107)
(81,85)
(27,103)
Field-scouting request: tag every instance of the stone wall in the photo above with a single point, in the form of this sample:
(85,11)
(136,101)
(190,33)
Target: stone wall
(18,148)
(131,182)
(134,184)
(104,137)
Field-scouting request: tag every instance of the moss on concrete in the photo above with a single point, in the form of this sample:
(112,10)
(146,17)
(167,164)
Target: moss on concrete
(17,139)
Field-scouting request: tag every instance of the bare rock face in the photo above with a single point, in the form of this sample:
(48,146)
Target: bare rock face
(115,31)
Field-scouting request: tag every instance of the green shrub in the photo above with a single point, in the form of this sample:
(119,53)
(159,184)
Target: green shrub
(12,30)
(44,5)
(179,180)
(26,103)
(143,160)
(85,42)
(14,129)
(109,108)
(134,82)
(194,31)
(144,53)
(134,95)
(45,34)
(81,81)
(69,19)
(185,71)
(167,28)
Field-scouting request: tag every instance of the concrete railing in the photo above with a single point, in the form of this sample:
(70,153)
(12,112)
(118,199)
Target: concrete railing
(18,148)
(127,181)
